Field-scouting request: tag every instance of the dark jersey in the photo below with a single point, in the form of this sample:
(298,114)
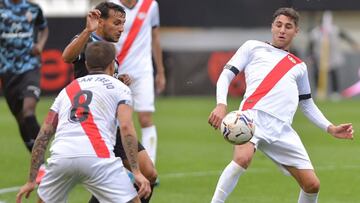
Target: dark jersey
(18,25)
(80,69)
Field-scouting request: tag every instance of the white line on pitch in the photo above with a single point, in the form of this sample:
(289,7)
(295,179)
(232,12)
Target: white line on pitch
(10,189)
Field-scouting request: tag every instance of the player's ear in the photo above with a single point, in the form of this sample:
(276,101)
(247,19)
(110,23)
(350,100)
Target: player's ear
(86,65)
(101,22)
(111,67)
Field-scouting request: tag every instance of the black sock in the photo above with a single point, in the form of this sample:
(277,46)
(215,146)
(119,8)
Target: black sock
(93,200)
(29,142)
(32,126)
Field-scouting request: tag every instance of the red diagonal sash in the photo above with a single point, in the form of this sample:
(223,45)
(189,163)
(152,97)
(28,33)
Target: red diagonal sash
(288,62)
(134,30)
(89,125)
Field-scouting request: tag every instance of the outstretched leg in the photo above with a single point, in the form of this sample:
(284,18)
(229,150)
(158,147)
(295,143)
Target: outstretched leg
(309,183)
(242,157)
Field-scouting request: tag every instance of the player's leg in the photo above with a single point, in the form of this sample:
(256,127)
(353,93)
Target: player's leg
(148,134)
(146,166)
(243,155)
(309,183)
(144,97)
(290,155)
(147,169)
(60,178)
(22,93)
(31,95)
(107,179)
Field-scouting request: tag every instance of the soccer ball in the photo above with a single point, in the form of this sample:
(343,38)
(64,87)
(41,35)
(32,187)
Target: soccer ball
(237,128)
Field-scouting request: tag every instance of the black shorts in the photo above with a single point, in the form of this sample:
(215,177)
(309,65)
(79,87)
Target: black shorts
(119,149)
(18,86)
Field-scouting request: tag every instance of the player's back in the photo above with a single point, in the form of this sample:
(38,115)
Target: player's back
(87,116)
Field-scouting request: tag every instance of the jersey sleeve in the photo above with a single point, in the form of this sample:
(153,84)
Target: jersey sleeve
(303,82)
(154,15)
(40,20)
(124,95)
(241,58)
(57,103)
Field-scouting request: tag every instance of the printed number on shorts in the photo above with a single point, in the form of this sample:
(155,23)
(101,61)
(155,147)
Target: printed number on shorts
(80,109)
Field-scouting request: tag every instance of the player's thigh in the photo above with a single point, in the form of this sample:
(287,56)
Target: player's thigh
(20,86)
(59,179)
(143,93)
(107,180)
(243,154)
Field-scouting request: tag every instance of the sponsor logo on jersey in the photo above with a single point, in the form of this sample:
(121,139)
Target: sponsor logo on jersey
(291,59)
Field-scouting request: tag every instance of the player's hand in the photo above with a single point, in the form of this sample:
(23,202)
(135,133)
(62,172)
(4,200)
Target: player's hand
(143,184)
(25,189)
(92,20)
(217,115)
(342,131)
(125,78)
(36,49)
(160,82)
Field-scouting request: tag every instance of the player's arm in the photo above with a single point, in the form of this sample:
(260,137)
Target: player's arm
(158,59)
(42,35)
(222,87)
(73,50)
(235,65)
(130,144)
(41,41)
(38,153)
(312,112)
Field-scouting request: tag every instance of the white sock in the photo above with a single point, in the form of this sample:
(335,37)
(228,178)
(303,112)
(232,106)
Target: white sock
(227,182)
(307,197)
(149,141)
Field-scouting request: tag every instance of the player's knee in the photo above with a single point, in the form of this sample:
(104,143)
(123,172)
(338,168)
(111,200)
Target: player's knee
(151,175)
(312,186)
(27,112)
(243,161)
(145,119)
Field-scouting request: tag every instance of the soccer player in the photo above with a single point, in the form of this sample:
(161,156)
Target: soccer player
(85,114)
(106,23)
(277,81)
(138,44)
(24,33)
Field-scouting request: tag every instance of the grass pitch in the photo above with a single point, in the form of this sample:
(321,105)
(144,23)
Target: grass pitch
(191,156)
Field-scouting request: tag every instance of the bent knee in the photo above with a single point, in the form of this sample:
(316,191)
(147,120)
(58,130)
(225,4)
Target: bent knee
(151,176)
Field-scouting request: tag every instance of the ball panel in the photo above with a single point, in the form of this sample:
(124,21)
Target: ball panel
(237,128)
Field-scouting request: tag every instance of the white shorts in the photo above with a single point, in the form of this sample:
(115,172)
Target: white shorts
(143,92)
(105,178)
(279,141)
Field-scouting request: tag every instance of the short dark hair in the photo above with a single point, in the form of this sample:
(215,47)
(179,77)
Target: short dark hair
(289,12)
(99,55)
(105,7)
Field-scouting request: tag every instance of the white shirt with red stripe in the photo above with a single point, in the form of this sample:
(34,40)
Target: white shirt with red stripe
(86,110)
(139,58)
(257,59)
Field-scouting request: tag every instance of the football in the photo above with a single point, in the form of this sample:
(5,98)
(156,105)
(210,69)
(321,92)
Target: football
(237,128)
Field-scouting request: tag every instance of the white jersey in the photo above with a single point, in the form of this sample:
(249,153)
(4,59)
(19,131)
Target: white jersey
(87,116)
(139,58)
(257,59)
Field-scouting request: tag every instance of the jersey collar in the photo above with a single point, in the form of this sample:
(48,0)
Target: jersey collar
(95,37)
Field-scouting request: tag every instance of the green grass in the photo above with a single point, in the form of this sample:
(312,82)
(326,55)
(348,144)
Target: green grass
(191,156)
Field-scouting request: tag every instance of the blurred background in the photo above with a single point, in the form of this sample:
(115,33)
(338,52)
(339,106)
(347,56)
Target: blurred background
(198,38)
